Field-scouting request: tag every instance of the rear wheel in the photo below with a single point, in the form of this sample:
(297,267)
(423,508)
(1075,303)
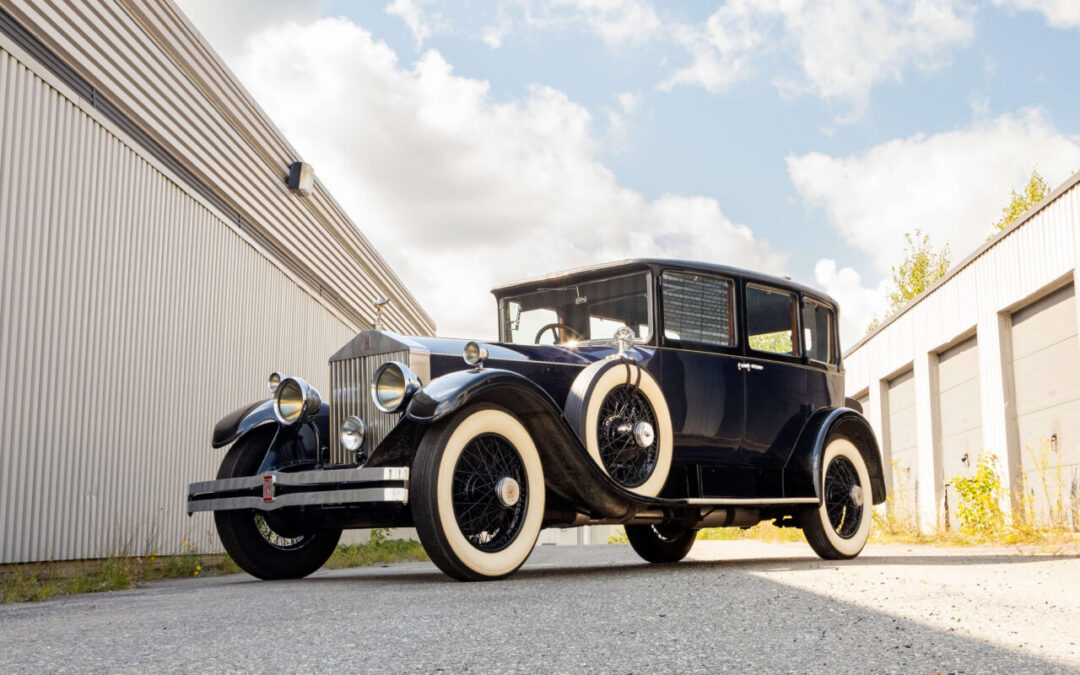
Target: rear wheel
(264,543)
(663,543)
(477,493)
(839,527)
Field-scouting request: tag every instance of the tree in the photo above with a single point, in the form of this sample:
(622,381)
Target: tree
(1034,192)
(922,266)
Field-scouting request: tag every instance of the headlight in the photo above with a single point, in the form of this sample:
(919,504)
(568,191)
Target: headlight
(295,400)
(474,354)
(273,381)
(352,433)
(392,386)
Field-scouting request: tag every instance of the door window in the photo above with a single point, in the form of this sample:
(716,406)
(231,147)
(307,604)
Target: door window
(818,331)
(698,309)
(771,320)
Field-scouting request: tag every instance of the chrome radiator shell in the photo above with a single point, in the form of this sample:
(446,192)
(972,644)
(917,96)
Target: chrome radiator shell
(350,394)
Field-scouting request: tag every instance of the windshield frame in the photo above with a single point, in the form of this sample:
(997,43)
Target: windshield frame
(650,296)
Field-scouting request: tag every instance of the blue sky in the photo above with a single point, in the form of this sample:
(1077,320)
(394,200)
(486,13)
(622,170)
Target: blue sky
(476,142)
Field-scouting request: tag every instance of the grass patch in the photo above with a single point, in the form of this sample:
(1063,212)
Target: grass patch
(380,550)
(35,582)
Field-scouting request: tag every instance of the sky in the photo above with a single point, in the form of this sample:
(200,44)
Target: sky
(476,143)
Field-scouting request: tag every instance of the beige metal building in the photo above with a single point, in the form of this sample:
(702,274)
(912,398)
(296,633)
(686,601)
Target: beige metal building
(154,268)
(985,361)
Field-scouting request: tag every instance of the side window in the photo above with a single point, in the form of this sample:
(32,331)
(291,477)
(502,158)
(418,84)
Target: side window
(771,320)
(698,309)
(818,331)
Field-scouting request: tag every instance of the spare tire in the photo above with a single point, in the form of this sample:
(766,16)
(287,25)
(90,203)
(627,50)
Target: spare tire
(618,411)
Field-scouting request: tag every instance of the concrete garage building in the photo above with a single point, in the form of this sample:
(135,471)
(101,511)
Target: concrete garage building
(985,361)
(155,268)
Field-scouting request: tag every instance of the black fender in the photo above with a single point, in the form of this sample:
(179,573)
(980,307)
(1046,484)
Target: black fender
(802,475)
(571,475)
(287,446)
(241,421)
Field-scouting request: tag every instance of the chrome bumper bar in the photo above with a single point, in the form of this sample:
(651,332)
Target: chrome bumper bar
(276,490)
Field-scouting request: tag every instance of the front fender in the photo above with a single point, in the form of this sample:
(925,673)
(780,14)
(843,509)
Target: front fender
(445,395)
(302,443)
(569,472)
(802,475)
(241,421)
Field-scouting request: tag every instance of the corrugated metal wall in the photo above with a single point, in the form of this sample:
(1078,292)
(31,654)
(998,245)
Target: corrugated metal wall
(152,65)
(131,319)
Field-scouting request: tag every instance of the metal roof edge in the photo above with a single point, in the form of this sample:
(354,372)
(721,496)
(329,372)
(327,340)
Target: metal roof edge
(993,241)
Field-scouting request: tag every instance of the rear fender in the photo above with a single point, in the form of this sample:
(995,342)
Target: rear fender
(802,475)
(571,475)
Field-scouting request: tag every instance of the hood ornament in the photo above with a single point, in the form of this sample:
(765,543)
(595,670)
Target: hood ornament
(624,339)
(379,305)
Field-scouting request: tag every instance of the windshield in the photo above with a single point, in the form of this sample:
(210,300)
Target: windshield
(593,310)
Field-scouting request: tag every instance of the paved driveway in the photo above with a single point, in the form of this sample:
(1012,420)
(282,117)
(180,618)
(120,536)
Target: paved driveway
(738,606)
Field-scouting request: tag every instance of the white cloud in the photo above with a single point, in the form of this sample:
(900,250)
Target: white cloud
(629,101)
(460,191)
(226,24)
(617,22)
(858,304)
(952,185)
(421,24)
(1058,13)
(842,47)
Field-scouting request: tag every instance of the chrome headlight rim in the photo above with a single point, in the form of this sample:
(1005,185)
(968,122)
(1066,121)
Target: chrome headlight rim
(295,401)
(392,386)
(352,434)
(474,354)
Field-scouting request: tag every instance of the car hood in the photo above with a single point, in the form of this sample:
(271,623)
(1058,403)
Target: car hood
(383,342)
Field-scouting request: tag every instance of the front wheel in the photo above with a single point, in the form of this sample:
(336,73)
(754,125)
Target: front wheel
(663,543)
(839,528)
(264,544)
(477,493)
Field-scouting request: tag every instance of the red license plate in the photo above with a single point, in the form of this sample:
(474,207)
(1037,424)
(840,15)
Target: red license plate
(268,488)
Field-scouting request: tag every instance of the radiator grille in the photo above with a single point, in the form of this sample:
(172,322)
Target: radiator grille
(350,394)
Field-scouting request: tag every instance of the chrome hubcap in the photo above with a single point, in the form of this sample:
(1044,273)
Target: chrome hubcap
(644,434)
(856,495)
(508,491)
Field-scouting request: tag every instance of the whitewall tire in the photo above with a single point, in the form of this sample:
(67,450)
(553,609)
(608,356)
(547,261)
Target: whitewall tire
(477,493)
(839,527)
(596,407)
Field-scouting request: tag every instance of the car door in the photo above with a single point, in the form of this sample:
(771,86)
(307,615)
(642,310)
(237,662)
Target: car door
(776,405)
(699,356)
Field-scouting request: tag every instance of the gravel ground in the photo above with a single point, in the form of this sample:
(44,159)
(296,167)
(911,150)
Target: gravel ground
(739,606)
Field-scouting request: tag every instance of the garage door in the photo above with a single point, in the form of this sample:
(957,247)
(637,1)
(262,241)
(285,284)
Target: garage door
(959,408)
(902,441)
(1046,378)
(864,402)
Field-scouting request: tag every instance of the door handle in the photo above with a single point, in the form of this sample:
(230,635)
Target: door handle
(747,366)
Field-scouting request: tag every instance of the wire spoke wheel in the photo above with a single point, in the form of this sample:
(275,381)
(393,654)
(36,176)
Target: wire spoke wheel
(625,460)
(485,521)
(278,541)
(843,497)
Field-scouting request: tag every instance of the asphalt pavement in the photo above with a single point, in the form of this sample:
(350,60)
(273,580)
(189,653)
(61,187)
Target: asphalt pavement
(735,606)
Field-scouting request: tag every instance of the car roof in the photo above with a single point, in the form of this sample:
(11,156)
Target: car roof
(649,263)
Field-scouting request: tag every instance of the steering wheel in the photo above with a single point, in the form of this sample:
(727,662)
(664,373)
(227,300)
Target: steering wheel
(555,328)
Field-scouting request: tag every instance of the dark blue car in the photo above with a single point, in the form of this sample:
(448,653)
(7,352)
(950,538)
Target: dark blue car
(666,396)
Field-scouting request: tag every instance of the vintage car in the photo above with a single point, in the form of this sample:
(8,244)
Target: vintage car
(665,396)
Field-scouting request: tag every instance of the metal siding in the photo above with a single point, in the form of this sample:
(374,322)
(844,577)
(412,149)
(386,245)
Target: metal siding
(1046,380)
(133,318)
(961,408)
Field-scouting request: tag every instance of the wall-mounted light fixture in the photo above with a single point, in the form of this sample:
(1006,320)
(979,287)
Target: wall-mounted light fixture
(301,178)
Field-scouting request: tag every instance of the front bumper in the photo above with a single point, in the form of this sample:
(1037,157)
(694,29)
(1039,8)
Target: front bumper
(276,490)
